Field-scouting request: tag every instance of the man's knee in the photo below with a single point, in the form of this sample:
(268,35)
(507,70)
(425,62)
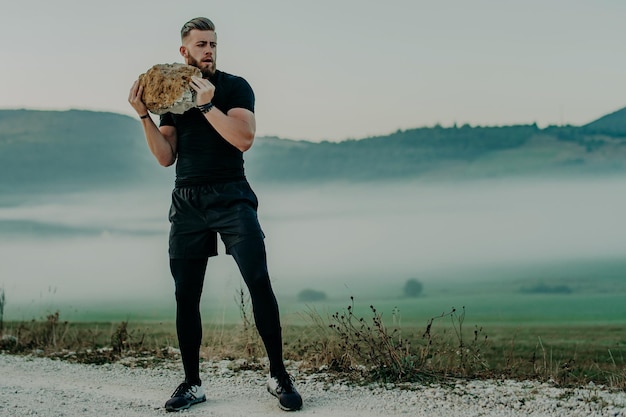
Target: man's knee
(188,277)
(251,259)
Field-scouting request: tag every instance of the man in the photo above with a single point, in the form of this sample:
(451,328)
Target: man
(212,196)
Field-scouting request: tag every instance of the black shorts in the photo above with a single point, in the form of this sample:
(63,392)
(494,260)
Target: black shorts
(198,213)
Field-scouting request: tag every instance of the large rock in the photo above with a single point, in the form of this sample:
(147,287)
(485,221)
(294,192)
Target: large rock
(166,88)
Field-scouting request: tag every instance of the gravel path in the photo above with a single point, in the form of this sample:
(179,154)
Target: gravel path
(32,386)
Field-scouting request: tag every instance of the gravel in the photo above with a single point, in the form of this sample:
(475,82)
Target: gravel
(35,386)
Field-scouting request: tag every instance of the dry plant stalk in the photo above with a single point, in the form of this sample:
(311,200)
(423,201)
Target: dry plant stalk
(2,299)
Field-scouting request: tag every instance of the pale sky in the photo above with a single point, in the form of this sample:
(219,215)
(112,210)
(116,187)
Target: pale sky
(334,69)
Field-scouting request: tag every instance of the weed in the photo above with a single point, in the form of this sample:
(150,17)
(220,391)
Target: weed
(361,347)
(45,335)
(357,345)
(383,352)
(2,300)
(93,336)
(122,339)
(249,337)
(317,344)
(454,355)
(243,302)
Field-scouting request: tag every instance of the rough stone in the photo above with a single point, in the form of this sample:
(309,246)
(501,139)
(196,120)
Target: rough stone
(166,88)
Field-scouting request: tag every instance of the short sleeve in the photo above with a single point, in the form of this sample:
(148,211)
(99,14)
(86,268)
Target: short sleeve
(167,120)
(241,95)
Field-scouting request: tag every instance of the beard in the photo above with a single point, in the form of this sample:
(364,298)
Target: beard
(207,71)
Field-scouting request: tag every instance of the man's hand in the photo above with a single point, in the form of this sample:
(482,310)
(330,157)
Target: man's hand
(237,126)
(134,98)
(204,90)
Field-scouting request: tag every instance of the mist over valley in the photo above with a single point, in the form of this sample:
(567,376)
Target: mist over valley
(497,216)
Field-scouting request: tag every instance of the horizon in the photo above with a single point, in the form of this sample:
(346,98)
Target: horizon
(373,68)
(339,140)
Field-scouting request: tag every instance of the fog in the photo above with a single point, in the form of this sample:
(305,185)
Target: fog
(340,238)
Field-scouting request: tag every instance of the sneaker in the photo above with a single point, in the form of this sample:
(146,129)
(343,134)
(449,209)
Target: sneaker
(185,396)
(282,388)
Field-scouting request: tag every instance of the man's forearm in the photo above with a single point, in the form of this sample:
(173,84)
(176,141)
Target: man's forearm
(238,127)
(160,147)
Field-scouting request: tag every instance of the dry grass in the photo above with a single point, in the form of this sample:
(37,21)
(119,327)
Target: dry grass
(360,348)
(2,300)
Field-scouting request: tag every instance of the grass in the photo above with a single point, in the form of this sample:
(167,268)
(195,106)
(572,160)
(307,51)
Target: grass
(357,342)
(484,309)
(2,300)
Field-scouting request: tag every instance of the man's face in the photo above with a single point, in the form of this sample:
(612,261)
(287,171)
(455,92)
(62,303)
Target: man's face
(200,50)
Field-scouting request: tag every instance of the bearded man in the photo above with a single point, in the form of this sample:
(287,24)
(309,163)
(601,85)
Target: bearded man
(212,196)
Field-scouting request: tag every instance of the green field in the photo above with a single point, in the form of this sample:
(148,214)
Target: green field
(498,309)
(514,296)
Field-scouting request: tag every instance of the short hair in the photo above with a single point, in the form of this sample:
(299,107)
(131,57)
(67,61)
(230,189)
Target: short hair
(199,23)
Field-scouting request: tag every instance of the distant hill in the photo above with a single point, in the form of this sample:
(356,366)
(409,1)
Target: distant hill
(613,124)
(448,153)
(409,153)
(69,150)
(48,150)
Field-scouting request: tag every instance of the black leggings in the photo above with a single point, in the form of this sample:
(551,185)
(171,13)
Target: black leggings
(189,278)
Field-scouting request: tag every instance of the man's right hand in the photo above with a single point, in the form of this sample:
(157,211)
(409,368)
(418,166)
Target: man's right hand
(134,98)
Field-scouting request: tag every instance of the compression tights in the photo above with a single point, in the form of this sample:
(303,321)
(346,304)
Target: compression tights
(188,276)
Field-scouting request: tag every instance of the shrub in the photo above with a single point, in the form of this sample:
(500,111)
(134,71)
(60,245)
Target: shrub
(413,288)
(547,289)
(311,295)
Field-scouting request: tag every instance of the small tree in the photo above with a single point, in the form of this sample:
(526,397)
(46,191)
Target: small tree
(413,288)
(1,311)
(311,295)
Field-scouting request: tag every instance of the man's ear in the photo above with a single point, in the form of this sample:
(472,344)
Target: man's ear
(183,51)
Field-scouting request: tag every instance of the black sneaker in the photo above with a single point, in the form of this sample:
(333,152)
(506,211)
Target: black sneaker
(282,388)
(185,396)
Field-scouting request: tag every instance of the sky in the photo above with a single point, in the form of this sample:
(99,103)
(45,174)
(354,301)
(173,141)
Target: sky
(334,69)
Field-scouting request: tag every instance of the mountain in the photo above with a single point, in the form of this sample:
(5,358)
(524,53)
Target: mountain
(51,150)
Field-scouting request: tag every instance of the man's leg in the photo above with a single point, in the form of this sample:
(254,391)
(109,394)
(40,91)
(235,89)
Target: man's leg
(251,258)
(189,278)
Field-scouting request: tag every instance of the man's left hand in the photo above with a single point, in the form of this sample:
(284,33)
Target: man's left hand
(204,90)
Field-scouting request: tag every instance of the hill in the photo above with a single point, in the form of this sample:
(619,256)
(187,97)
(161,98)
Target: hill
(446,153)
(613,124)
(69,150)
(76,149)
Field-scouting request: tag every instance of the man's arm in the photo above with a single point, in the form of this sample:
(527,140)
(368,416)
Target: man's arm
(161,141)
(237,126)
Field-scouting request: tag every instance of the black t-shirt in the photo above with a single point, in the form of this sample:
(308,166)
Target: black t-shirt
(204,156)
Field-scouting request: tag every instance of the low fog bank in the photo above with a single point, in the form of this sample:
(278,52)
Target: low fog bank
(369,236)
(343,239)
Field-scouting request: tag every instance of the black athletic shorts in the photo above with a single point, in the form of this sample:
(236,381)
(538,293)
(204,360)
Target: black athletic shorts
(198,213)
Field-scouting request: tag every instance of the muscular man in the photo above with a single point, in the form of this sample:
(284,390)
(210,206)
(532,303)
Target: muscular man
(212,196)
